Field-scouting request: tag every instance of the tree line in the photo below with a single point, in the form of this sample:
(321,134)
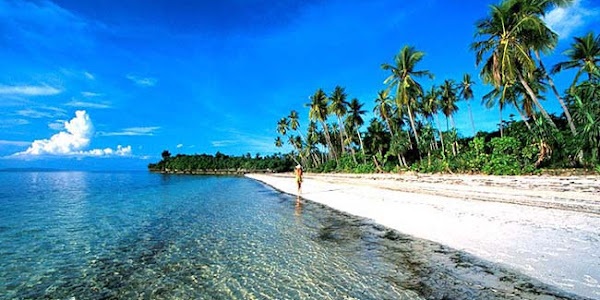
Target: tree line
(407,133)
(220,162)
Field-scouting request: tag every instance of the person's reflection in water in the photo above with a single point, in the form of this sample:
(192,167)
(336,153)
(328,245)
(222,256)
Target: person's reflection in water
(298,206)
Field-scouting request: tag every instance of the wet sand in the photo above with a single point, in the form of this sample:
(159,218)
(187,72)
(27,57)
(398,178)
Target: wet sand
(544,227)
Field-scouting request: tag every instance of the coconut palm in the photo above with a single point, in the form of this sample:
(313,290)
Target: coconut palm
(504,47)
(318,112)
(312,139)
(278,142)
(399,145)
(540,38)
(384,108)
(283,126)
(466,92)
(338,107)
(403,79)
(584,56)
(376,137)
(354,119)
(587,114)
(448,101)
(497,97)
(449,107)
(433,103)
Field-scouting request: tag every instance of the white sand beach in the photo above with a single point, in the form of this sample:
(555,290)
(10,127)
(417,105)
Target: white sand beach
(545,227)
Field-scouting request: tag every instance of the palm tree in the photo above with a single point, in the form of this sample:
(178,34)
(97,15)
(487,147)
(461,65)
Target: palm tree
(449,107)
(318,112)
(497,97)
(433,102)
(466,92)
(584,55)
(383,108)
(540,38)
(506,41)
(295,123)
(338,107)
(448,101)
(283,126)
(403,79)
(376,138)
(278,142)
(312,139)
(399,145)
(354,119)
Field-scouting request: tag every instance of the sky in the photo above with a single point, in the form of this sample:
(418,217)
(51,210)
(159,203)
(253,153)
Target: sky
(111,84)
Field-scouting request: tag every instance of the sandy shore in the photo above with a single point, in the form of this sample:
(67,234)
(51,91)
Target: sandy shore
(545,227)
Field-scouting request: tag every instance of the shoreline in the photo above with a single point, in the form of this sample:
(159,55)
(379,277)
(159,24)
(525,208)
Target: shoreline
(544,227)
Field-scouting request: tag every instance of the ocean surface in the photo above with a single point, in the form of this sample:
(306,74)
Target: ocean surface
(137,235)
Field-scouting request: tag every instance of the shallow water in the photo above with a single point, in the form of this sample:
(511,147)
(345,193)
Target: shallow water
(141,235)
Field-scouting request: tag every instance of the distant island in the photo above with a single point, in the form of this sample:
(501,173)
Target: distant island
(221,164)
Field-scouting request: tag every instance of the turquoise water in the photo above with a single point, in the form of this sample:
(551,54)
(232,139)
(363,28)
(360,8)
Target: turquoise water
(66,235)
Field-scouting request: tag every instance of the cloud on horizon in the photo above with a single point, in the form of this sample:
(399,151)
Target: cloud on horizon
(567,20)
(29,90)
(72,142)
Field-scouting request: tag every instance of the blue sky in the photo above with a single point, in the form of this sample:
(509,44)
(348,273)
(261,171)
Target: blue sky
(208,76)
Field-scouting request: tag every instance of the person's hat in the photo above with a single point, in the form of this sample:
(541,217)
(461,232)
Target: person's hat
(298,167)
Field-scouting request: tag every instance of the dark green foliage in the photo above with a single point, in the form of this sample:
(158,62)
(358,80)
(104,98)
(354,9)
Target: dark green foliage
(222,162)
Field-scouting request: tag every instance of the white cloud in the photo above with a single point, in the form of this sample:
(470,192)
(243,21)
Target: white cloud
(90,94)
(132,131)
(143,81)
(14,143)
(29,90)
(72,142)
(223,143)
(89,75)
(83,104)
(179,145)
(57,125)
(12,123)
(566,20)
(41,112)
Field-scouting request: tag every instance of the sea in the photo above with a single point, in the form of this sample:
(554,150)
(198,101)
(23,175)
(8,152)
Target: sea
(140,235)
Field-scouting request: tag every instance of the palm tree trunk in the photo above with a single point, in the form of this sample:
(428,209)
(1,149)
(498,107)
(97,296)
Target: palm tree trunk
(501,130)
(387,121)
(341,125)
(437,119)
(353,154)
(328,138)
(523,117)
(471,116)
(557,94)
(412,123)
(362,147)
(535,99)
(455,143)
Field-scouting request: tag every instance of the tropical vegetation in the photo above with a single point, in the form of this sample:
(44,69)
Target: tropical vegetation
(407,134)
(219,163)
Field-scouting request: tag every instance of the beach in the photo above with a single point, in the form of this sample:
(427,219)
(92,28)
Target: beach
(545,227)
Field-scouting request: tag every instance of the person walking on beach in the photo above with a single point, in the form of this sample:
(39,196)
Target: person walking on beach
(298,174)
